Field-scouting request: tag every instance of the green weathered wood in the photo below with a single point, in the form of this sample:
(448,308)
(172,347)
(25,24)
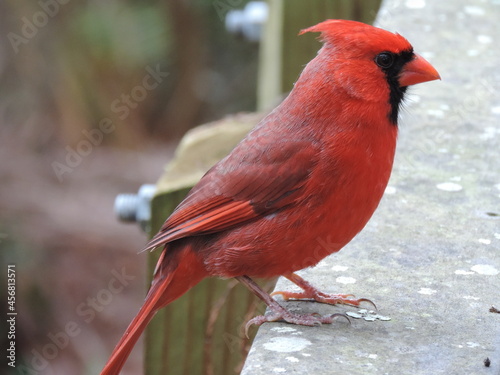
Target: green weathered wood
(181,339)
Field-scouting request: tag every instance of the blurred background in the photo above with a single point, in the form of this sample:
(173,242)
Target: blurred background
(95,95)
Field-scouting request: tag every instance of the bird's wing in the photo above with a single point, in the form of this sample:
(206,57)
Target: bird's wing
(255,180)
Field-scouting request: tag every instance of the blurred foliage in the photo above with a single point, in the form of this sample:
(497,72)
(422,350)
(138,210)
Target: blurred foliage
(66,66)
(126,36)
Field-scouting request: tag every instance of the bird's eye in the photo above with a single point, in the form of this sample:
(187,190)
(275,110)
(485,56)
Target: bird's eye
(384,60)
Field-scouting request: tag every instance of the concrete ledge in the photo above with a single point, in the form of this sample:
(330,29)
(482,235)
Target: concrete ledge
(430,257)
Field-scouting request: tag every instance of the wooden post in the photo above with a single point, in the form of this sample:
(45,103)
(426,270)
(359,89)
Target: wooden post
(200,333)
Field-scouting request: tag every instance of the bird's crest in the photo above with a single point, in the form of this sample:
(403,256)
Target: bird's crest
(348,33)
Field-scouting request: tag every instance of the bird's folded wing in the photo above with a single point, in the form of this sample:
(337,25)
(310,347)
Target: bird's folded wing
(236,191)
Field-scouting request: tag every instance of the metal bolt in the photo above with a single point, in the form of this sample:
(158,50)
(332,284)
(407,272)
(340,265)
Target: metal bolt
(248,21)
(136,208)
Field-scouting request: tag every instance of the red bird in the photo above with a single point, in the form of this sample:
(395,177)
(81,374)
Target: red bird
(315,168)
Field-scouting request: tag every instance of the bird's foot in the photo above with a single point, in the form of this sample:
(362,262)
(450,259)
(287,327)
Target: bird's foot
(284,315)
(331,299)
(311,293)
(279,313)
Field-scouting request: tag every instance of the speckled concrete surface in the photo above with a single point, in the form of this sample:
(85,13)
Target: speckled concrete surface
(430,256)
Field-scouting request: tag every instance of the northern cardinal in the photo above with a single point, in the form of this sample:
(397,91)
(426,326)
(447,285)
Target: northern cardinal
(313,170)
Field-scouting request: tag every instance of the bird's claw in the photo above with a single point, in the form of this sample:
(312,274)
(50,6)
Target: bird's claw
(331,299)
(369,301)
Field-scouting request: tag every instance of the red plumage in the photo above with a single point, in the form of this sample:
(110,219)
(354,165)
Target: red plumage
(313,170)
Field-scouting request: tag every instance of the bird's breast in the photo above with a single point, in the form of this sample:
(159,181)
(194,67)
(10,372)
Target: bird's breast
(340,196)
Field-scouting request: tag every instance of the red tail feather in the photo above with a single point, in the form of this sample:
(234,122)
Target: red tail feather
(173,277)
(135,329)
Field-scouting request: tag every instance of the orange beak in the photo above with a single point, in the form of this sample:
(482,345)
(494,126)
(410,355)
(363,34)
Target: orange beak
(416,71)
